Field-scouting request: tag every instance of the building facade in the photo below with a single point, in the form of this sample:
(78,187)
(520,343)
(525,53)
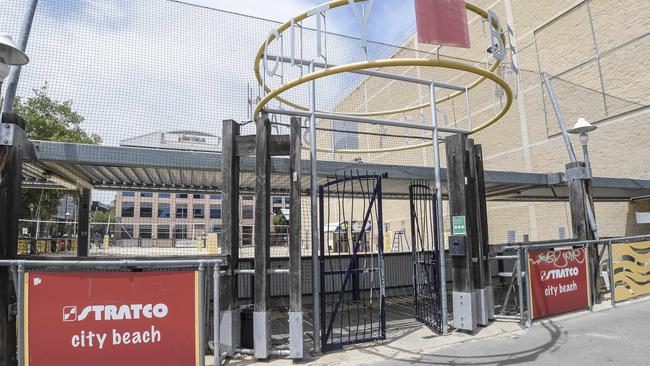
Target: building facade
(596,53)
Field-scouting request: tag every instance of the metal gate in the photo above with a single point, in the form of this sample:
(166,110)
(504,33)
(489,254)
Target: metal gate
(427,299)
(351,261)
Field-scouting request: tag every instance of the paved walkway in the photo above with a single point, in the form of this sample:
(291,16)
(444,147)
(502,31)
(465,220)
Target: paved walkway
(609,336)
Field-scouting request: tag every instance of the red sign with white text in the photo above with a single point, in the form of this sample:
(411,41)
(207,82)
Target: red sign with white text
(111,318)
(558,281)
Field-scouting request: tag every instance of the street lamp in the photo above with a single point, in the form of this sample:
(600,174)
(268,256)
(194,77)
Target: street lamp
(10,55)
(582,128)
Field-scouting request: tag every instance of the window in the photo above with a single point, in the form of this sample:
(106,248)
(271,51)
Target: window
(126,231)
(164,195)
(128,194)
(146,209)
(128,209)
(198,196)
(198,212)
(163,231)
(247,235)
(145,231)
(247,212)
(199,230)
(215,211)
(215,229)
(277,200)
(511,236)
(146,194)
(180,231)
(287,200)
(181,211)
(345,140)
(562,232)
(247,198)
(164,212)
(216,196)
(181,195)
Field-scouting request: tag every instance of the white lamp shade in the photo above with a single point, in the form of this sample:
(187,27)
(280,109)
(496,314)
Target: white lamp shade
(12,55)
(582,126)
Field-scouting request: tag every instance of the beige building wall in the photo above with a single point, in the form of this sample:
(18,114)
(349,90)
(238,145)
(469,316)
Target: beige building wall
(598,54)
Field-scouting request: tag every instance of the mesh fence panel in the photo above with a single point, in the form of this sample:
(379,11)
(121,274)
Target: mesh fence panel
(163,75)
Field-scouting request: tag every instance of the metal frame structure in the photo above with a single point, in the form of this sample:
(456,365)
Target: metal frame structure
(351,274)
(437,179)
(427,294)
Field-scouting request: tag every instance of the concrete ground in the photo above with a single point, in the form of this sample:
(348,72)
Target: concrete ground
(609,336)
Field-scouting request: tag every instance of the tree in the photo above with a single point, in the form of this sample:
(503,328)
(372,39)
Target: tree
(48,119)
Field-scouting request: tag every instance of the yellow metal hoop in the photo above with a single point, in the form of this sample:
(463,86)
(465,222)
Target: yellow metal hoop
(396,62)
(336,4)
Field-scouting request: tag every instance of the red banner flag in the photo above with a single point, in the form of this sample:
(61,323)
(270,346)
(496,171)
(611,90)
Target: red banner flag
(442,22)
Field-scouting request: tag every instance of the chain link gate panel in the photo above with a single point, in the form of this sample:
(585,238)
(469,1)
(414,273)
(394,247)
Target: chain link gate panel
(427,299)
(351,261)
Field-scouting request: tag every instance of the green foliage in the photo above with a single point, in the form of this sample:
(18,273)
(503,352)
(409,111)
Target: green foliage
(279,219)
(48,119)
(52,120)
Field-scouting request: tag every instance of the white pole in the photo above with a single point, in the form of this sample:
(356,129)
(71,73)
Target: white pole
(439,221)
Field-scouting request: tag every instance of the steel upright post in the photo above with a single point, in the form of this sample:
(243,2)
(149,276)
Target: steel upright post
(314,217)
(439,221)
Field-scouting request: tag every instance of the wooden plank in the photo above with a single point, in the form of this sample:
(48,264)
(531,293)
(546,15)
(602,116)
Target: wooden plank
(295,289)
(83,222)
(482,219)
(230,217)
(262,234)
(279,145)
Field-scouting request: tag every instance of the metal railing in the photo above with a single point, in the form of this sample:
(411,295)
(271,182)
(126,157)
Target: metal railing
(504,252)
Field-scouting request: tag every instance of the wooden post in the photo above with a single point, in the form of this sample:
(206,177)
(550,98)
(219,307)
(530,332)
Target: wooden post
(262,238)
(482,231)
(83,221)
(579,190)
(229,291)
(11,174)
(460,208)
(457,172)
(295,245)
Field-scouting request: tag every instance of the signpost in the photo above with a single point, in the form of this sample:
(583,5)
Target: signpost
(558,281)
(111,318)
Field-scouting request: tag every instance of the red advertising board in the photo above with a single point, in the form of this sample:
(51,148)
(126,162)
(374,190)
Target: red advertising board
(442,22)
(558,281)
(111,318)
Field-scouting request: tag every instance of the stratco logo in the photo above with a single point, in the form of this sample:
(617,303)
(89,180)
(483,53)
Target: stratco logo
(559,273)
(114,312)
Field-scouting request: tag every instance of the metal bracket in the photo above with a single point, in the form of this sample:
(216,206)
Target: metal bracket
(11,135)
(575,173)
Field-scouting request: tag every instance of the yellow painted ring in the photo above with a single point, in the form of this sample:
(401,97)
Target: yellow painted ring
(390,63)
(335,4)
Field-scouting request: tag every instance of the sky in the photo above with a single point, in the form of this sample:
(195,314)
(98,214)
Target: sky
(132,67)
(390,22)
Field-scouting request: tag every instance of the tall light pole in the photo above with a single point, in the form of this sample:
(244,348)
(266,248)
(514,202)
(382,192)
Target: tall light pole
(10,55)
